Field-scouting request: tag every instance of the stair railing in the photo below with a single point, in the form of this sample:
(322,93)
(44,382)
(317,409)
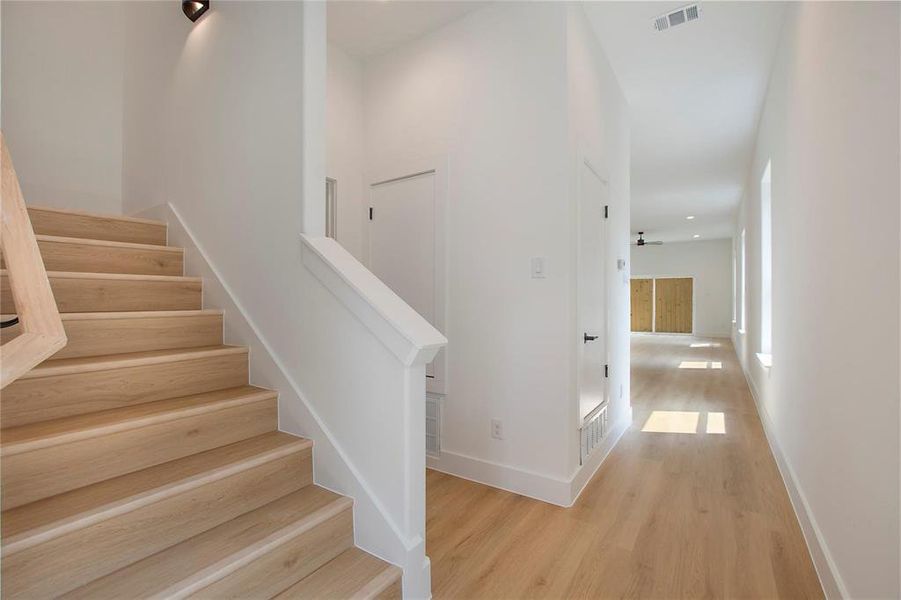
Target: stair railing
(41,332)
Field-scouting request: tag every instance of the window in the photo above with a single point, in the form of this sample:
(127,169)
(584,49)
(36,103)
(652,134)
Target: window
(744,278)
(766,264)
(734,282)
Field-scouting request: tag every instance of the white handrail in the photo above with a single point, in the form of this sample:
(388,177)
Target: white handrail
(412,339)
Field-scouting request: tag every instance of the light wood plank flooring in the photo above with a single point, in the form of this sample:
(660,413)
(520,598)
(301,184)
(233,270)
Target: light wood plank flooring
(669,515)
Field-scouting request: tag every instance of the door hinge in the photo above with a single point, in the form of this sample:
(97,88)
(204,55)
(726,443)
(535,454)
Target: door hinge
(606,211)
(370,213)
(606,370)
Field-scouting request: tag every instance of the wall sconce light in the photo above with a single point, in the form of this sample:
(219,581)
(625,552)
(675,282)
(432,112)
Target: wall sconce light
(194,9)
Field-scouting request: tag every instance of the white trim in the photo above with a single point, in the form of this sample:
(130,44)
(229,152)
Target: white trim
(404,331)
(538,486)
(830,579)
(312,106)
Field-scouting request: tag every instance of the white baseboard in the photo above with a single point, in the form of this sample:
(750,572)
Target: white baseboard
(703,334)
(830,580)
(512,479)
(539,486)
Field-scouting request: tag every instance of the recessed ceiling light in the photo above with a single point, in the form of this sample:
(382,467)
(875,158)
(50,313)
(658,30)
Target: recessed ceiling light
(696,236)
(690,217)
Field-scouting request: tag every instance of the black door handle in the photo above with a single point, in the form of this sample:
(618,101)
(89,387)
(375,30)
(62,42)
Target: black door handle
(588,338)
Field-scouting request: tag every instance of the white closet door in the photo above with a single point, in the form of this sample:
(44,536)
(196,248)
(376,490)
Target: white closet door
(592,332)
(402,241)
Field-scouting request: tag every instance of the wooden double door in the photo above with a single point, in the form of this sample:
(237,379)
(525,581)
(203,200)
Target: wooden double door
(662,304)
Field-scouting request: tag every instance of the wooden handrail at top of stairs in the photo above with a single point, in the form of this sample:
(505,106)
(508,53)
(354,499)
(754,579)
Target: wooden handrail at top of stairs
(42,332)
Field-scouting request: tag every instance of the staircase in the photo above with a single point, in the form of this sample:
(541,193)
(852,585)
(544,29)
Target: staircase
(138,462)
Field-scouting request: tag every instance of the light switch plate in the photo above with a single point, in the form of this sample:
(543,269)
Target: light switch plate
(539,267)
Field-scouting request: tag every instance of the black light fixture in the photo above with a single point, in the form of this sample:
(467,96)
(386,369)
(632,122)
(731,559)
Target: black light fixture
(194,9)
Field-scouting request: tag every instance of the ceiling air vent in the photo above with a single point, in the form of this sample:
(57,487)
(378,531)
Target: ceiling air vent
(677,17)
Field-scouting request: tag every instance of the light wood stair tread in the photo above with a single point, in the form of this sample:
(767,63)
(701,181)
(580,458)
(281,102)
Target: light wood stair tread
(191,565)
(352,574)
(79,254)
(137,460)
(132,359)
(135,314)
(88,225)
(77,291)
(105,333)
(58,431)
(115,276)
(35,522)
(95,215)
(59,239)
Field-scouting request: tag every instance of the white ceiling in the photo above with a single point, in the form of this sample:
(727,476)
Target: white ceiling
(368,27)
(695,93)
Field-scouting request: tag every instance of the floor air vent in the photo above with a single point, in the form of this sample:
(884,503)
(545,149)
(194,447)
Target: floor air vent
(594,430)
(686,14)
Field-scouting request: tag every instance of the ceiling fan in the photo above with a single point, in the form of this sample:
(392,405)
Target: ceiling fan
(642,242)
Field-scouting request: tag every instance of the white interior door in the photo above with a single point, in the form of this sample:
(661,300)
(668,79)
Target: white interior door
(592,291)
(402,243)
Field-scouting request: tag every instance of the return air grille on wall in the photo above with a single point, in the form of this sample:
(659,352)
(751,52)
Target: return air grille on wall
(686,14)
(594,430)
(432,425)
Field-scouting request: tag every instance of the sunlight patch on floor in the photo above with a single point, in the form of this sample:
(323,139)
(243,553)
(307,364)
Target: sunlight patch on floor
(704,345)
(716,423)
(700,364)
(679,421)
(671,421)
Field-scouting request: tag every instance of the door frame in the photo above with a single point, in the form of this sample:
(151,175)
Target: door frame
(398,168)
(654,278)
(605,273)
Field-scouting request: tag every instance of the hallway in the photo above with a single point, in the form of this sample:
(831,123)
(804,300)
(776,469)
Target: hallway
(693,506)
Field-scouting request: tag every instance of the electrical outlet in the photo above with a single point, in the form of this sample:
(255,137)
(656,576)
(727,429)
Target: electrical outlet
(497,429)
(620,391)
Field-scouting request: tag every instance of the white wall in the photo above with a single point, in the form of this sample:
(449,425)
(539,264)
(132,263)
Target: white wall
(599,132)
(488,98)
(831,400)
(710,263)
(344,134)
(214,128)
(62,101)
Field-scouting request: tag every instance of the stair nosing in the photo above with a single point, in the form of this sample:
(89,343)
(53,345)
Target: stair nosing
(59,239)
(142,314)
(248,397)
(98,514)
(136,314)
(109,362)
(116,276)
(225,566)
(81,213)
(380,582)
